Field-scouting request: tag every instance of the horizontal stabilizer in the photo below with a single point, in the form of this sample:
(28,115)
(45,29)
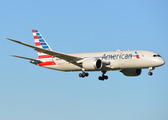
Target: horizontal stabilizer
(35,60)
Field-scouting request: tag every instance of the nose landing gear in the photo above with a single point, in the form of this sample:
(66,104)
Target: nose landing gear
(150,73)
(103,77)
(150,69)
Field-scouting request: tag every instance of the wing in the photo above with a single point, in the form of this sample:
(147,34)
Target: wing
(68,58)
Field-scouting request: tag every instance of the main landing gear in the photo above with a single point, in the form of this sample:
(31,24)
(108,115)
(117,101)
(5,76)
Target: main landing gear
(103,77)
(83,74)
(150,69)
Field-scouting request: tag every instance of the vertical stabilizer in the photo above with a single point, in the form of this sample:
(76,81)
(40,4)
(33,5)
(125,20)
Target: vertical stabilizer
(40,42)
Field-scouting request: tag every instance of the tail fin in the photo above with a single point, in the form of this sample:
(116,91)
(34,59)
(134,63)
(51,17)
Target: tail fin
(40,42)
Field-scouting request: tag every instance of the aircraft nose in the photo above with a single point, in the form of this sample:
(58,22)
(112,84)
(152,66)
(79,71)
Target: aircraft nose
(158,61)
(162,62)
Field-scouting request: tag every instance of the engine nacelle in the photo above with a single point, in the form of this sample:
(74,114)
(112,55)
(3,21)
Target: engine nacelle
(131,72)
(92,64)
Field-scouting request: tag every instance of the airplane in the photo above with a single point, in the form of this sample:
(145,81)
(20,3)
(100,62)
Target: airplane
(130,62)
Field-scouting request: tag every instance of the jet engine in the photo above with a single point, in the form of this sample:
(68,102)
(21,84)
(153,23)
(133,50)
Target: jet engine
(92,64)
(131,72)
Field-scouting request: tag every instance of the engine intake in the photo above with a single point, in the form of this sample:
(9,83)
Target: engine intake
(131,72)
(92,64)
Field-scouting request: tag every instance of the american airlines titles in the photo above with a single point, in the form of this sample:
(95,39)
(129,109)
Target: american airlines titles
(117,56)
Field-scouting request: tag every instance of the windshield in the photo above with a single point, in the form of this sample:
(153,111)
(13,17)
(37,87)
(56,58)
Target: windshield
(156,56)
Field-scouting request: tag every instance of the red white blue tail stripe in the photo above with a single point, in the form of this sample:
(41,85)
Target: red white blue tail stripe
(40,42)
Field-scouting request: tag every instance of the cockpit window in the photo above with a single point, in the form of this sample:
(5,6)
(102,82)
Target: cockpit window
(156,56)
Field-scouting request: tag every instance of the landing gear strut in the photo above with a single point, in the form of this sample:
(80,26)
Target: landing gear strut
(103,76)
(150,69)
(83,74)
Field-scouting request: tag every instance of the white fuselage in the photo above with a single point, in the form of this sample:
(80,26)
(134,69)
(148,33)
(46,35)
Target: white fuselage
(131,59)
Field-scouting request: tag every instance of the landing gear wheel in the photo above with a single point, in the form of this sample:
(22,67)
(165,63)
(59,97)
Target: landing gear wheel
(86,74)
(105,77)
(83,75)
(101,78)
(150,73)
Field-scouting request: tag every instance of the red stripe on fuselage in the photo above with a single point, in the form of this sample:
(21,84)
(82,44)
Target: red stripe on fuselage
(47,63)
(44,56)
